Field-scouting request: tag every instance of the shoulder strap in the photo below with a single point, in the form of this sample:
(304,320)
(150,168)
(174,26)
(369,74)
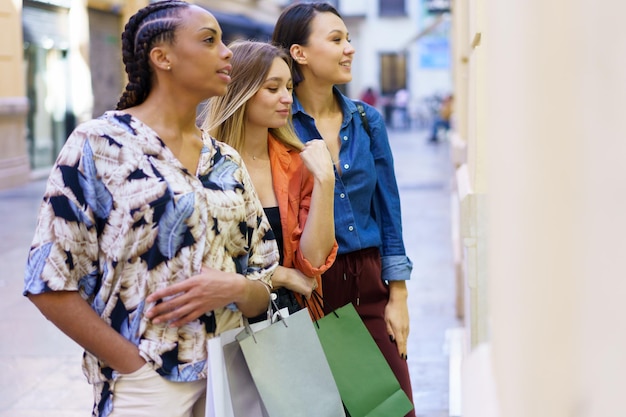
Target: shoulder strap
(361,110)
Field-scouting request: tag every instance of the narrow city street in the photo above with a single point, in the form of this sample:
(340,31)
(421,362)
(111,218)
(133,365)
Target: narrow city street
(42,367)
(424,175)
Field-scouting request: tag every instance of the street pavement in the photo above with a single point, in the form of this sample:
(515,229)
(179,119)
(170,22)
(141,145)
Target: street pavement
(42,367)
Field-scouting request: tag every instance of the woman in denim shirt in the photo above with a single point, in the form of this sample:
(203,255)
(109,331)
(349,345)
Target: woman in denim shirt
(371,268)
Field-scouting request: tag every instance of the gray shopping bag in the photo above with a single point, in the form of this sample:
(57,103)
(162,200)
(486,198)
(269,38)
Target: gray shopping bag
(245,398)
(290,370)
(231,391)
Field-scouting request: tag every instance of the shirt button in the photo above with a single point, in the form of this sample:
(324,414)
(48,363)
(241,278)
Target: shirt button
(346,166)
(350,228)
(345,138)
(342,195)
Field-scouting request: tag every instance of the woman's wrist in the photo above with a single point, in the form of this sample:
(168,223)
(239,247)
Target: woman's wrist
(398,291)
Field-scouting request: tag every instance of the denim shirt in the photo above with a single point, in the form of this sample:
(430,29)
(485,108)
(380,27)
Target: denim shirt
(367,202)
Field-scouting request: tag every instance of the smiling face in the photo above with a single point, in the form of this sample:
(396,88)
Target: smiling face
(271,104)
(199,60)
(328,53)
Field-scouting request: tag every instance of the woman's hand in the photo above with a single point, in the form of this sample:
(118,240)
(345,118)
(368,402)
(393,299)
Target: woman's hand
(211,289)
(294,280)
(397,316)
(318,235)
(318,161)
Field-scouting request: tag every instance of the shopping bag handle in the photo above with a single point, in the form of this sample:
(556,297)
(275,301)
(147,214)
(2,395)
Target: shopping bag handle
(246,323)
(317,301)
(272,297)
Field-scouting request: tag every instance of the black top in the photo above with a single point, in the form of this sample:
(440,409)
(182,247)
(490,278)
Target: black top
(273,215)
(285,298)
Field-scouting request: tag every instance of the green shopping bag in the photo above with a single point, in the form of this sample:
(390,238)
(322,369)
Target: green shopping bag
(366,383)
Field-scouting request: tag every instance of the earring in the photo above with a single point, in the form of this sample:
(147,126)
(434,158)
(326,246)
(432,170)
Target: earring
(169,67)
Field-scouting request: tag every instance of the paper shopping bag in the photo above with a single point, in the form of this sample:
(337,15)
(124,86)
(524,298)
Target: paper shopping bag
(231,391)
(245,400)
(290,369)
(367,385)
(217,391)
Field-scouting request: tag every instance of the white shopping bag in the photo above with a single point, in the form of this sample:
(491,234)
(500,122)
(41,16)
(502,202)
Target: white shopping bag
(227,370)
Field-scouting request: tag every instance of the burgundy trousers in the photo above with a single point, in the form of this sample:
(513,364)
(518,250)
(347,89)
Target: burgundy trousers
(356,278)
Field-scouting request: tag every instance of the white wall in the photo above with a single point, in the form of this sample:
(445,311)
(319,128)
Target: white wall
(554,89)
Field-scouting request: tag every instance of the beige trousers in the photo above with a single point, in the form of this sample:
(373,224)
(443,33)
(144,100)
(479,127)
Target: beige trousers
(145,393)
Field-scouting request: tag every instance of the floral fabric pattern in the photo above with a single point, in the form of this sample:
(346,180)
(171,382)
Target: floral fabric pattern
(121,218)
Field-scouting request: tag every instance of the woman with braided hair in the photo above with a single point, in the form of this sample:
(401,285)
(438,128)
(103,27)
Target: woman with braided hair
(150,238)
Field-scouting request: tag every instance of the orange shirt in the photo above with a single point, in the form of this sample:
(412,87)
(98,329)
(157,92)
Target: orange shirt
(293,185)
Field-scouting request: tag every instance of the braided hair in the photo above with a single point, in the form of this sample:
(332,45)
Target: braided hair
(152,24)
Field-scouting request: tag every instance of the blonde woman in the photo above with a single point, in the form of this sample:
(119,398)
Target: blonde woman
(294,182)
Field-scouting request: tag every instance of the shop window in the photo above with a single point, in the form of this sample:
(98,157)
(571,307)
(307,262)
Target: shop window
(388,8)
(392,72)
(47,70)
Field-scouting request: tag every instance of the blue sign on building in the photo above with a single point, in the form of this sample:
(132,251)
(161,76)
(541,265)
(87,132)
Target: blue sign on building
(437,6)
(435,52)
(434,46)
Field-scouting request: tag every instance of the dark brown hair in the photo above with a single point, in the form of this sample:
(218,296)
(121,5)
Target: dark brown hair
(152,24)
(294,27)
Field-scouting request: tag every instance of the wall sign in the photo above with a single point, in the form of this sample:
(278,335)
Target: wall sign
(437,6)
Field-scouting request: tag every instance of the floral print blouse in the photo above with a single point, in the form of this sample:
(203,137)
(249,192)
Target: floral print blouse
(121,217)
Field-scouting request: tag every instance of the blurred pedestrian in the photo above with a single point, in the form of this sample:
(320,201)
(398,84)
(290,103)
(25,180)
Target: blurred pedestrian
(294,182)
(371,268)
(150,238)
(401,106)
(442,120)
(386,102)
(369,97)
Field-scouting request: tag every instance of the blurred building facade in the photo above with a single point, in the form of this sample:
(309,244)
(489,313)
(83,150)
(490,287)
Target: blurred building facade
(14,161)
(400,45)
(64,59)
(64,65)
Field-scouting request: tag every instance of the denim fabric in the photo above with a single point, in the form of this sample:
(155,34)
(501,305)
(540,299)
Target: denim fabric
(367,203)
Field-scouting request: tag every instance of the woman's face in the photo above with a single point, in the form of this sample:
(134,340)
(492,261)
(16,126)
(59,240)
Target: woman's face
(200,62)
(270,107)
(328,54)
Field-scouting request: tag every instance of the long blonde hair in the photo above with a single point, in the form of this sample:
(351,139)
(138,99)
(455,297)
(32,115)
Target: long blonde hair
(223,116)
